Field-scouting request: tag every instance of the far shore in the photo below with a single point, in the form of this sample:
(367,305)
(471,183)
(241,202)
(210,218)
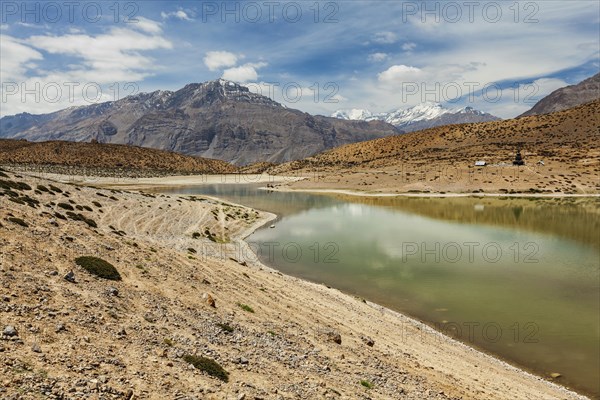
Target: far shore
(275,182)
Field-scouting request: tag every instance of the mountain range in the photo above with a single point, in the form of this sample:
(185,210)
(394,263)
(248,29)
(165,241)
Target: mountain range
(568,97)
(216,119)
(422,116)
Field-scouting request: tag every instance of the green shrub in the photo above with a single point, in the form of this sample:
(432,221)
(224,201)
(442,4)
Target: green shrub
(18,221)
(55,189)
(196,235)
(246,307)
(211,367)
(366,384)
(99,267)
(225,327)
(81,217)
(42,188)
(65,206)
(96,204)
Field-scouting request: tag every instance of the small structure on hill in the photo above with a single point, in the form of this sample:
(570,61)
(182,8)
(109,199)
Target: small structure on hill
(518,159)
(480,163)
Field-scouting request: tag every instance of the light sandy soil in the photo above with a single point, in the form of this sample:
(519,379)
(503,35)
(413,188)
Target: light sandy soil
(101,339)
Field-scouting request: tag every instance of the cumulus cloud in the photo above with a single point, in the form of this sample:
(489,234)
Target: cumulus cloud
(377,57)
(399,74)
(179,14)
(215,60)
(243,73)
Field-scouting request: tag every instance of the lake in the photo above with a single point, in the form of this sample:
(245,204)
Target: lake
(516,277)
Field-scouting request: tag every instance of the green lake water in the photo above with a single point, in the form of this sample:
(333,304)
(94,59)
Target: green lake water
(518,278)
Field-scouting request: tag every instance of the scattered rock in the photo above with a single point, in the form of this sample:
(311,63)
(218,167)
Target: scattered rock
(368,341)
(70,277)
(112,291)
(335,337)
(242,396)
(555,375)
(60,328)
(10,331)
(209,300)
(36,349)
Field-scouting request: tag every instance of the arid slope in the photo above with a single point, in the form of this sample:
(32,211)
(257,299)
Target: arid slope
(561,153)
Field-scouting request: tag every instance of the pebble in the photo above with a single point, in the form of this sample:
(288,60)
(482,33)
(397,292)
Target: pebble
(36,349)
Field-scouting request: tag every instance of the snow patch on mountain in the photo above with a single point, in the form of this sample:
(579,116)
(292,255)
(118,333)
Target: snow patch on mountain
(418,116)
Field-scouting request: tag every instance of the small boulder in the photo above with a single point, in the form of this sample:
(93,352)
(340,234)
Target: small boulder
(368,341)
(36,348)
(335,337)
(555,375)
(10,331)
(209,300)
(70,277)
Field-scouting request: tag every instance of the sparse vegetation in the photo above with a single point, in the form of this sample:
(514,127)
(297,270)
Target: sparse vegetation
(225,327)
(83,218)
(18,221)
(65,206)
(366,384)
(246,307)
(99,267)
(211,367)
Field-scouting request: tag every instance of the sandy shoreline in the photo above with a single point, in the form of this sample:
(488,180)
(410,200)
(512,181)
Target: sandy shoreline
(383,194)
(279,183)
(404,343)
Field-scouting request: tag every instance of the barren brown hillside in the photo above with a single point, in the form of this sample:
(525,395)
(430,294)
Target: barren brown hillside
(561,153)
(106,156)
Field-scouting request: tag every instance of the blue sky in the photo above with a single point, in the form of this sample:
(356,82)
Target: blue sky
(499,57)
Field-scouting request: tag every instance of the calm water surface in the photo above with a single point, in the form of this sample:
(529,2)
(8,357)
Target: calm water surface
(518,278)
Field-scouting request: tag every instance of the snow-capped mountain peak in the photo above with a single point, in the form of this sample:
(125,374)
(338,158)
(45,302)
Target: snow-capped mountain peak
(354,114)
(420,116)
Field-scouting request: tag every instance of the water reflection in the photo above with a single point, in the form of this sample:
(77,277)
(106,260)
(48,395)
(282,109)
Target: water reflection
(516,277)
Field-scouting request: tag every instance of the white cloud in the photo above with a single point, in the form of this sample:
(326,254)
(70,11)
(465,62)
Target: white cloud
(17,58)
(110,57)
(97,60)
(387,37)
(179,14)
(147,25)
(243,73)
(377,57)
(215,60)
(545,86)
(409,46)
(399,74)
